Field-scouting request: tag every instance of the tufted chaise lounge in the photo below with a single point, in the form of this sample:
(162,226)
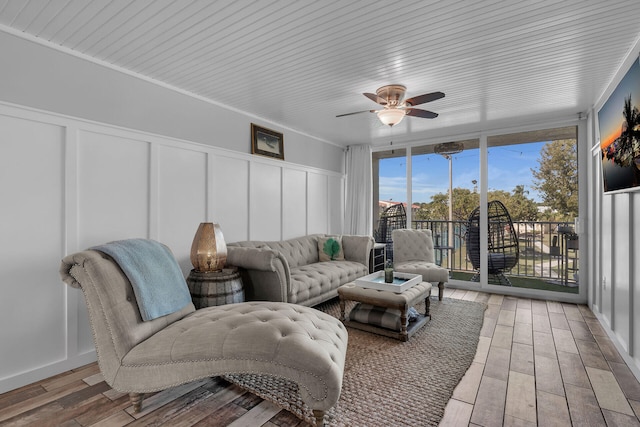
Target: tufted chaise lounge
(413,253)
(290,341)
(291,271)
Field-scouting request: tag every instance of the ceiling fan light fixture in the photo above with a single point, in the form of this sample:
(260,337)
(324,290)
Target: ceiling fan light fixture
(391,116)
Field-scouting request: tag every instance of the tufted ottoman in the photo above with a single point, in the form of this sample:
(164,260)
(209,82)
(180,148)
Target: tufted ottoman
(387,300)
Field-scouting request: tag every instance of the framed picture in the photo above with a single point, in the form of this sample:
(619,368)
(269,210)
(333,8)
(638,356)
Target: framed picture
(267,142)
(619,125)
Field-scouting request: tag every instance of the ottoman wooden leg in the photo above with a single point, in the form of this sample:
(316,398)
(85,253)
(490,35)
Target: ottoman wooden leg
(427,306)
(403,323)
(440,291)
(342,308)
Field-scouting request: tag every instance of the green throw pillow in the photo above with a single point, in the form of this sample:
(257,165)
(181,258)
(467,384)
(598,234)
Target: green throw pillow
(330,249)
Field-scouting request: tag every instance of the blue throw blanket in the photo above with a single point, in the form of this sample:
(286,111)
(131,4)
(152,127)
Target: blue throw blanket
(155,276)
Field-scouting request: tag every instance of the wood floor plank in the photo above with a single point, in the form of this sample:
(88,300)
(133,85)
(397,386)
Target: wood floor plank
(583,407)
(490,403)
(509,303)
(521,397)
(488,327)
(595,327)
(21,394)
(522,359)
(558,321)
(591,354)
(506,317)
(572,369)
(40,400)
(581,331)
(628,383)
(608,349)
(524,303)
(497,365)
(257,416)
(522,333)
(72,376)
(572,312)
(554,307)
(524,315)
(541,323)
(502,336)
(539,307)
(586,312)
(150,404)
(496,299)
(553,410)
(467,388)
(616,419)
(482,351)
(607,391)
(543,344)
(117,419)
(563,339)
(548,378)
(470,296)
(456,413)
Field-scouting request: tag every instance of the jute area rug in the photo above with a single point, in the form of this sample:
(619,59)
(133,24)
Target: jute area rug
(388,382)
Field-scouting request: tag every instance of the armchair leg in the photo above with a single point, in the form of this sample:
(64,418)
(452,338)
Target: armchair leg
(440,291)
(136,400)
(319,416)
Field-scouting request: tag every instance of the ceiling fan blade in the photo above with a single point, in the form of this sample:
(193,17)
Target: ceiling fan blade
(421,99)
(416,112)
(357,112)
(375,98)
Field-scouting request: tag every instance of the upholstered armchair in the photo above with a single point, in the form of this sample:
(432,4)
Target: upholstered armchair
(413,253)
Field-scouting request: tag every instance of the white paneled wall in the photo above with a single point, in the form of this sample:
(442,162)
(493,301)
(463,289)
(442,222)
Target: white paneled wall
(68,184)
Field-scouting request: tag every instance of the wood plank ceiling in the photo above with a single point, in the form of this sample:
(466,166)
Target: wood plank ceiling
(296,64)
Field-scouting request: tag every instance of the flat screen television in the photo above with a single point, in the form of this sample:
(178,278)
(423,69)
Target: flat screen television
(619,125)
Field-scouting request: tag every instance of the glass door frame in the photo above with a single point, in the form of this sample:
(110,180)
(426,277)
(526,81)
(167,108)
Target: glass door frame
(583,153)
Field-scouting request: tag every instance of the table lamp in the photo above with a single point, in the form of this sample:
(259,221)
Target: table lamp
(208,251)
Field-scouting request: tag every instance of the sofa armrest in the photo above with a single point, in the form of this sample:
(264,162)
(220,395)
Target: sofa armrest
(357,248)
(265,273)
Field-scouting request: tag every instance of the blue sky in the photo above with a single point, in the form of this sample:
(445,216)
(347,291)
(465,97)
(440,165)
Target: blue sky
(508,166)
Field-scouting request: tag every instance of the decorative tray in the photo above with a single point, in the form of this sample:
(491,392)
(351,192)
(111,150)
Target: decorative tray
(401,281)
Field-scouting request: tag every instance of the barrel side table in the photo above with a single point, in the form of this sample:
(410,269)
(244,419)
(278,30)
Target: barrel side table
(212,288)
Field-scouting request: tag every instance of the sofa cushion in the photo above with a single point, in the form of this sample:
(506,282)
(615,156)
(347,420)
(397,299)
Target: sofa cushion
(312,280)
(330,248)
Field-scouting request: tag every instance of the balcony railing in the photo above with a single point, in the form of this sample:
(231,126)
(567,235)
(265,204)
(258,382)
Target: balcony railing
(548,250)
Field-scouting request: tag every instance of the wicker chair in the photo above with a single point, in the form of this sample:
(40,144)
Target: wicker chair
(504,249)
(392,218)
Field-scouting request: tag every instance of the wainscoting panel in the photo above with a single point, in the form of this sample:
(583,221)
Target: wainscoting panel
(113,188)
(68,184)
(621,263)
(182,201)
(336,206)
(294,206)
(32,300)
(607,253)
(229,179)
(265,209)
(318,203)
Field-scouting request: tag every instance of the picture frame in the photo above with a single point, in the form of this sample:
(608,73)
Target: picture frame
(267,142)
(619,140)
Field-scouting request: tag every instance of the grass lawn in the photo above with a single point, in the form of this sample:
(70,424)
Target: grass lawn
(524,282)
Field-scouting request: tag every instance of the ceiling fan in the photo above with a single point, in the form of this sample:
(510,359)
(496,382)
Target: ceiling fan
(391,98)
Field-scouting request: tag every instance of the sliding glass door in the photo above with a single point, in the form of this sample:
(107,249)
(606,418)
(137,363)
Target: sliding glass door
(532,176)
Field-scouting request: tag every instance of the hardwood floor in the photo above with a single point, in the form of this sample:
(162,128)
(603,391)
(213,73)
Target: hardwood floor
(537,363)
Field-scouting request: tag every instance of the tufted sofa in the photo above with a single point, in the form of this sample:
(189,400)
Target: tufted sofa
(298,343)
(290,270)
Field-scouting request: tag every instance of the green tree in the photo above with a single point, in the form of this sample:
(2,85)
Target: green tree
(556,177)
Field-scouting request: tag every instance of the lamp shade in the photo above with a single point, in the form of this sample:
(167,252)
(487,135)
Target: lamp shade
(208,251)
(391,116)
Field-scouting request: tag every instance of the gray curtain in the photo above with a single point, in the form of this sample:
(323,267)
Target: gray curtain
(359,190)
